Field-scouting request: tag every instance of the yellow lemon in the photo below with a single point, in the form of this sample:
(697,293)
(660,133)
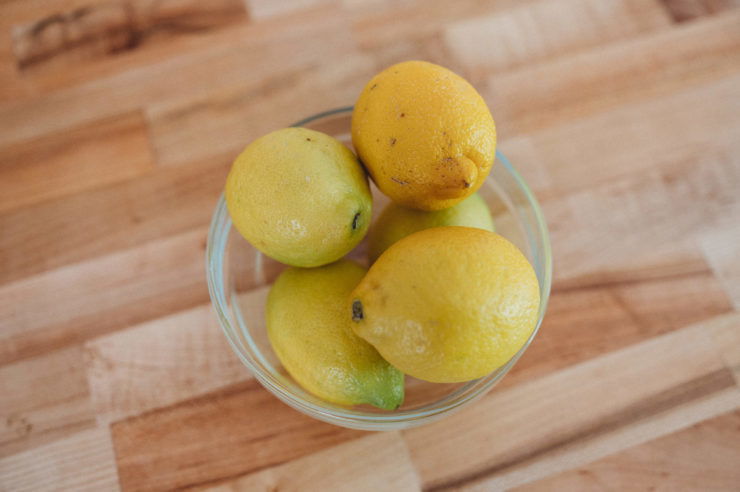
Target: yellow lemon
(424,134)
(397,222)
(299,196)
(311,332)
(448,304)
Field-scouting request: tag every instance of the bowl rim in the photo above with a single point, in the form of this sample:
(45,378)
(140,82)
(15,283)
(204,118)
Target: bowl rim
(218,234)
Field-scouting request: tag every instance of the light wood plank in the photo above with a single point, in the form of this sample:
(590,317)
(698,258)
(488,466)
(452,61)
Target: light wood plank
(60,232)
(43,399)
(160,363)
(642,137)
(229,433)
(552,92)
(562,420)
(545,29)
(721,246)
(702,457)
(725,330)
(661,207)
(101,153)
(266,9)
(83,462)
(377,462)
(245,58)
(72,304)
(238,115)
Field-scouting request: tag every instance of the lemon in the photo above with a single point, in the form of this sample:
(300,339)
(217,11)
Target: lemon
(311,333)
(397,222)
(299,196)
(424,134)
(448,304)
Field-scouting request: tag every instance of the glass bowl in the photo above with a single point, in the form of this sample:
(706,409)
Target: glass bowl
(239,277)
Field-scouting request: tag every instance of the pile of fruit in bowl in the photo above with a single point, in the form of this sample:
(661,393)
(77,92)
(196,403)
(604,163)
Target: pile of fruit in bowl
(441,298)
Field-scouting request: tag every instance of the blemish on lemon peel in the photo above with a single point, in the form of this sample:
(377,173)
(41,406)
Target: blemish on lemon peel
(357,314)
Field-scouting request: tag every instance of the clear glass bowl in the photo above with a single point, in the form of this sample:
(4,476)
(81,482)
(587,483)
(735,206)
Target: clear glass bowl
(239,277)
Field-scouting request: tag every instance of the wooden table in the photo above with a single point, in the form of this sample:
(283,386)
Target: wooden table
(118,123)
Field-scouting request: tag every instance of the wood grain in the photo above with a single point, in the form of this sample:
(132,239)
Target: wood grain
(555,91)
(109,28)
(60,232)
(91,156)
(377,462)
(702,457)
(160,363)
(177,439)
(84,461)
(687,10)
(590,321)
(70,305)
(536,31)
(119,120)
(237,60)
(523,433)
(179,135)
(43,399)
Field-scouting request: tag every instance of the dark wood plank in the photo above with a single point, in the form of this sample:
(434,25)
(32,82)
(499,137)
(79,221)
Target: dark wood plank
(90,156)
(55,233)
(87,33)
(702,457)
(586,322)
(688,10)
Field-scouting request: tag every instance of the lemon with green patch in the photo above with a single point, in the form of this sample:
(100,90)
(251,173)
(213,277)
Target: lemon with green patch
(311,333)
(299,196)
(447,304)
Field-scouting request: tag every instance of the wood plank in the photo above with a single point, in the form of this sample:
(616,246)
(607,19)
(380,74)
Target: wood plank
(160,363)
(83,462)
(583,323)
(546,29)
(225,434)
(69,305)
(245,57)
(380,23)
(377,462)
(702,457)
(60,232)
(725,331)
(43,399)
(719,243)
(87,33)
(259,36)
(562,420)
(260,10)
(552,92)
(660,132)
(238,115)
(688,10)
(661,207)
(104,152)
